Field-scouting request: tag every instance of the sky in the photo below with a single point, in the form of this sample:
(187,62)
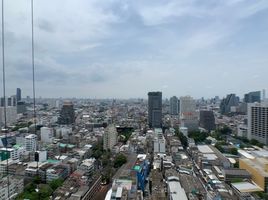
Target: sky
(126,48)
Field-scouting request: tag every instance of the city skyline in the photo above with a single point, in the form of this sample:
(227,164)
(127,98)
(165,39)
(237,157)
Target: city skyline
(100,49)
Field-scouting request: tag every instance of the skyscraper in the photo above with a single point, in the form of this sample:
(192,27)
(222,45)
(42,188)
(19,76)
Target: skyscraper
(18,94)
(258,122)
(188,114)
(155,109)
(174,105)
(228,102)
(67,115)
(252,97)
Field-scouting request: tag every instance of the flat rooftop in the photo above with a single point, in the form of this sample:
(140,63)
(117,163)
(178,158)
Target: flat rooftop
(246,187)
(205,149)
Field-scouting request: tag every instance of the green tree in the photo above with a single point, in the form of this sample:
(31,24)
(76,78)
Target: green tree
(54,184)
(234,151)
(120,159)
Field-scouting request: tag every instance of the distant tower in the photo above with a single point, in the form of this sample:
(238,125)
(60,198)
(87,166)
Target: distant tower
(155,109)
(263,95)
(18,94)
(174,105)
(67,115)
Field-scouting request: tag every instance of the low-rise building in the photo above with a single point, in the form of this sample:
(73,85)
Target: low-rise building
(9,189)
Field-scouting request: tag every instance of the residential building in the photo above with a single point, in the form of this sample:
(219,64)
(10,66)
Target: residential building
(155,109)
(56,172)
(159,141)
(88,166)
(46,135)
(30,143)
(110,137)
(11,187)
(258,122)
(174,105)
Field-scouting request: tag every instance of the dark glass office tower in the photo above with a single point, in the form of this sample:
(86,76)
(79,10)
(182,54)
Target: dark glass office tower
(18,94)
(155,109)
(67,115)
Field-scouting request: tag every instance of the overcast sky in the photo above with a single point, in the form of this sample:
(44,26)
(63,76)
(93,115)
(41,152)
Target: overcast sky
(121,49)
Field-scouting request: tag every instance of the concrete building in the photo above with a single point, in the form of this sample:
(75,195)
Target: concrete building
(15,187)
(11,115)
(258,122)
(155,109)
(30,143)
(230,101)
(88,166)
(257,167)
(110,137)
(56,172)
(14,153)
(159,141)
(174,105)
(242,130)
(67,115)
(175,191)
(207,120)
(188,114)
(21,107)
(252,97)
(46,135)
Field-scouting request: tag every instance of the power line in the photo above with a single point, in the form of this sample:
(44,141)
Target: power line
(4,93)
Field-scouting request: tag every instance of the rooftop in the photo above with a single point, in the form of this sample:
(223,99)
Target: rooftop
(245,187)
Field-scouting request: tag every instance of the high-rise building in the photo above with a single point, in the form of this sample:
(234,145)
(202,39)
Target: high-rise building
(253,97)
(21,107)
(46,135)
(18,94)
(207,120)
(30,143)
(258,122)
(67,115)
(174,105)
(188,114)
(155,109)
(230,101)
(109,137)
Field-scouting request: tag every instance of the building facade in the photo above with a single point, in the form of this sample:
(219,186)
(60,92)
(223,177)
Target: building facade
(258,122)
(207,120)
(230,101)
(155,109)
(252,97)
(174,105)
(67,115)
(188,114)
(46,135)
(110,137)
